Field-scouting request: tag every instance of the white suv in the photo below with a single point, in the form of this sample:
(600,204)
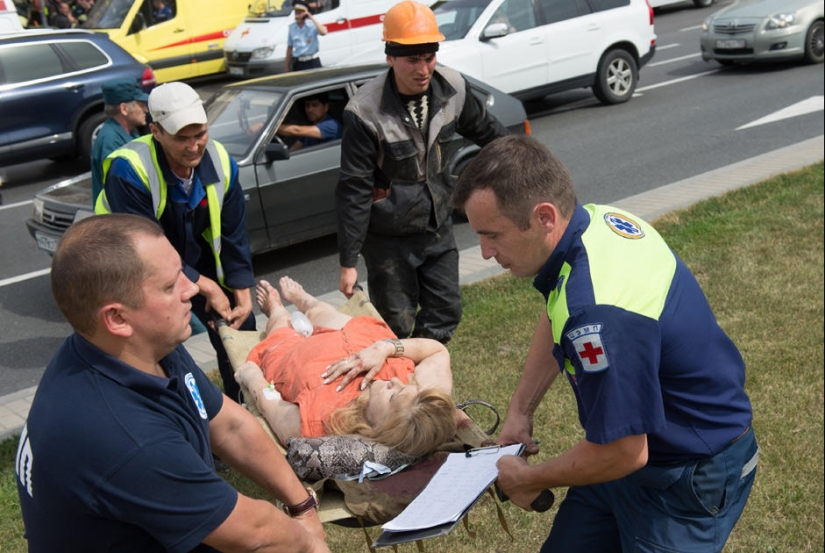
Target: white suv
(531,48)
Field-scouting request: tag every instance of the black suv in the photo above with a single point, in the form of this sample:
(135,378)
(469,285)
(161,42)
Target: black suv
(51,102)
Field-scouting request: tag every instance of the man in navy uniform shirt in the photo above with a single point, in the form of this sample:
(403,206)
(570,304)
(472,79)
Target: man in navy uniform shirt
(117,451)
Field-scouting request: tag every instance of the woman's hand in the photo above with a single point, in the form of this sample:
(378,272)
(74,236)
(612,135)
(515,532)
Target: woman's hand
(369,360)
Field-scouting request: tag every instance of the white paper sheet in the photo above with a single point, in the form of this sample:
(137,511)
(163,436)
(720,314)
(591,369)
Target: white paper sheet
(453,489)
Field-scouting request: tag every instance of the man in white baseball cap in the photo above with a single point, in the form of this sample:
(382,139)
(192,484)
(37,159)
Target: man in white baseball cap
(189,184)
(175,106)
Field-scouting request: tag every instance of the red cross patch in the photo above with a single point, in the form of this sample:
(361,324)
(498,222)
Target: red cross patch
(587,342)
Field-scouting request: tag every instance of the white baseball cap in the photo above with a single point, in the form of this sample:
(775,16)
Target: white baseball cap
(175,105)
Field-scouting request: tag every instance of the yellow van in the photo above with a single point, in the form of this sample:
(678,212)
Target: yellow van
(183,41)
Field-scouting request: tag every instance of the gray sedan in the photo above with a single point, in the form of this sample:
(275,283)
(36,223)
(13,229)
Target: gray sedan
(764,30)
(290,194)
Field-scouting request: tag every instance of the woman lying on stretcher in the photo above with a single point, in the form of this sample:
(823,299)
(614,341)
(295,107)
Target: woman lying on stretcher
(350,376)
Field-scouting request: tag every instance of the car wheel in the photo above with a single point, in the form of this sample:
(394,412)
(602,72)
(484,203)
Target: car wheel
(86,134)
(814,48)
(703,3)
(616,78)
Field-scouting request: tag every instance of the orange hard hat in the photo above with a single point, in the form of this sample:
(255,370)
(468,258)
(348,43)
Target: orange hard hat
(411,22)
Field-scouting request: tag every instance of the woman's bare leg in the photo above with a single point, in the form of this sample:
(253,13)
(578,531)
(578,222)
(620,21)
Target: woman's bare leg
(270,303)
(320,313)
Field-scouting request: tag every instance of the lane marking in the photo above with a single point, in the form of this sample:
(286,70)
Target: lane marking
(663,62)
(27,276)
(667,46)
(811,105)
(675,81)
(18,204)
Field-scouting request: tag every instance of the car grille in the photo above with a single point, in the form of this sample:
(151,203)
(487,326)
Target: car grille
(57,220)
(238,56)
(733,28)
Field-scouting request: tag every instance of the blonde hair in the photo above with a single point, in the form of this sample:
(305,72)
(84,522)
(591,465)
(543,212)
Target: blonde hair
(415,429)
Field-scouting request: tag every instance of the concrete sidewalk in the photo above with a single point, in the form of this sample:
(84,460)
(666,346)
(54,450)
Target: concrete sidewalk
(14,408)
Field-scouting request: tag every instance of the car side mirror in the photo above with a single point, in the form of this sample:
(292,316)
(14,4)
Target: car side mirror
(276,151)
(495,30)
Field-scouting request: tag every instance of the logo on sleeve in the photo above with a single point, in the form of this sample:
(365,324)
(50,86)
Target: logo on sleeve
(587,341)
(624,226)
(23,461)
(192,386)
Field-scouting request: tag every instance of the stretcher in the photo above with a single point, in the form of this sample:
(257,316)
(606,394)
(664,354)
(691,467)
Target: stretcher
(349,502)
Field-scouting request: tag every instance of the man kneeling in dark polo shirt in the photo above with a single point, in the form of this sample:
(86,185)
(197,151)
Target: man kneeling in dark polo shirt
(117,450)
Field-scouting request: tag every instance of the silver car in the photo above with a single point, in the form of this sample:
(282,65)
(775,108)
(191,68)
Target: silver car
(290,194)
(764,30)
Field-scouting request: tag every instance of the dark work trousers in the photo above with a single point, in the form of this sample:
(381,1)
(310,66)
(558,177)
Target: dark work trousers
(405,272)
(301,65)
(688,507)
(230,387)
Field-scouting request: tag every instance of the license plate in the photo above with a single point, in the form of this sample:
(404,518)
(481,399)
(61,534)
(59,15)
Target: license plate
(45,242)
(236,71)
(730,44)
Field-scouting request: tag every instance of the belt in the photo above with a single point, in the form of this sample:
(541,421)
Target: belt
(740,435)
(308,58)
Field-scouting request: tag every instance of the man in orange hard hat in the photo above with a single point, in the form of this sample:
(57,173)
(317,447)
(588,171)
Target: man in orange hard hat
(393,195)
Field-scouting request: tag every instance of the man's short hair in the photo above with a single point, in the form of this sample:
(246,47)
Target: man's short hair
(322,97)
(521,172)
(97,262)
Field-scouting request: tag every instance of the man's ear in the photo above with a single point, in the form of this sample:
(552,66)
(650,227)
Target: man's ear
(111,319)
(546,214)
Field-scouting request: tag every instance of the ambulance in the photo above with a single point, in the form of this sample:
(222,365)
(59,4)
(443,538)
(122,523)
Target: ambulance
(257,46)
(187,45)
(10,21)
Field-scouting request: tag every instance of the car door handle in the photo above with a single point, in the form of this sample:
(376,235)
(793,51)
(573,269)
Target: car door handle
(341,20)
(178,31)
(74,87)
(593,27)
(536,40)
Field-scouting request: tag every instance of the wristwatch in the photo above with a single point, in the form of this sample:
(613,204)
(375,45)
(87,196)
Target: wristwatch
(310,502)
(399,346)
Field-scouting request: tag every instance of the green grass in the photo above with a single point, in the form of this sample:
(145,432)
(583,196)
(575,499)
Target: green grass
(758,253)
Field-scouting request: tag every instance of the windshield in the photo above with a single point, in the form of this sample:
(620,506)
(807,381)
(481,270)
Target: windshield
(271,8)
(238,116)
(455,17)
(108,14)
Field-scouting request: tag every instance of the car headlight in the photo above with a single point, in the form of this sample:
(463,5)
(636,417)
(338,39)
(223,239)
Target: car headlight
(37,210)
(780,21)
(262,53)
(706,24)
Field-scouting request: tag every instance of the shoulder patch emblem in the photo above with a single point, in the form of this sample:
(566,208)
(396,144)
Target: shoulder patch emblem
(587,342)
(192,386)
(623,226)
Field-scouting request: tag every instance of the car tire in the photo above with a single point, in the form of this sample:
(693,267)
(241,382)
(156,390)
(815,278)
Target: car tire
(703,3)
(616,78)
(85,135)
(814,50)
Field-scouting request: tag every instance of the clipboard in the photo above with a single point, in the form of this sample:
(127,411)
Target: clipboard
(453,490)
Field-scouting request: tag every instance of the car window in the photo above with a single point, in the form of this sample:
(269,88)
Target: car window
(108,15)
(602,5)
(561,10)
(19,67)
(517,14)
(238,116)
(296,114)
(455,17)
(85,55)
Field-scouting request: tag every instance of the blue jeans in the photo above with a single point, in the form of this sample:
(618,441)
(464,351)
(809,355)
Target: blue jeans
(687,507)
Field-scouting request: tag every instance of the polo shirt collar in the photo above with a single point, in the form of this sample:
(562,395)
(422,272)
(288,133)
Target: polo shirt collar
(547,278)
(118,371)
